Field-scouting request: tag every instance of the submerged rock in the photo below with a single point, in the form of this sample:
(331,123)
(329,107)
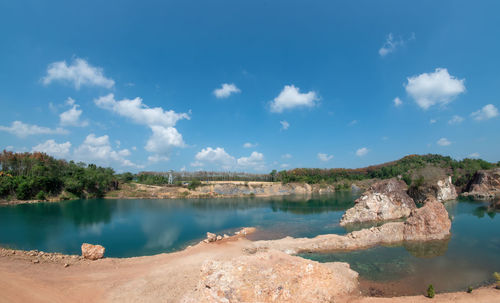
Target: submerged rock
(430,222)
(385,200)
(485,184)
(92,252)
(272,276)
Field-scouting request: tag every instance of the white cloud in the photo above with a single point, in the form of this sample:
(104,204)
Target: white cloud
(432,121)
(71,117)
(437,88)
(352,123)
(487,112)
(22,130)
(362,151)
(220,158)
(324,157)
(98,150)
(284,125)
(474,155)
(157,158)
(78,73)
(285,165)
(290,97)
(162,122)
(286,156)
(217,156)
(391,45)
(226,90)
(397,102)
(456,120)
(249,145)
(54,149)
(443,142)
(255,161)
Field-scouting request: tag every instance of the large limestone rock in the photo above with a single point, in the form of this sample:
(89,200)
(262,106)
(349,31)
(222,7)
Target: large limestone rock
(430,222)
(92,252)
(485,184)
(385,200)
(272,276)
(441,189)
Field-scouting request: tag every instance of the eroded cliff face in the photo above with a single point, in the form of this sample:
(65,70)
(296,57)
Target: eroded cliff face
(272,276)
(385,200)
(485,184)
(442,189)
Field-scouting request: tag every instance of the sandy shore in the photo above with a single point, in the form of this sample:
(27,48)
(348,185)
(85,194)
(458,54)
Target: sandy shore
(39,277)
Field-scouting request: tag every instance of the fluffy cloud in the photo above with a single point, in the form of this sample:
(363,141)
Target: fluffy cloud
(220,158)
(286,156)
(397,102)
(98,150)
(443,142)
(456,120)
(71,117)
(391,44)
(437,88)
(78,73)
(474,155)
(217,156)
(162,122)
(54,149)
(254,161)
(23,130)
(226,90)
(290,97)
(284,125)
(324,157)
(362,151)
(487,112)
(249,145)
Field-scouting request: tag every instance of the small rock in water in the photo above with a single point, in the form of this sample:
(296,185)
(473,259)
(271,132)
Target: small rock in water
(226,236)
(219,238)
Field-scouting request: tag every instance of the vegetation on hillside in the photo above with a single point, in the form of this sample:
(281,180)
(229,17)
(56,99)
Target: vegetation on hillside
(36,175)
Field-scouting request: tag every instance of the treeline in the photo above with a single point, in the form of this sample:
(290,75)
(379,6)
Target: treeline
(37,175)
(462,171)
(162,178)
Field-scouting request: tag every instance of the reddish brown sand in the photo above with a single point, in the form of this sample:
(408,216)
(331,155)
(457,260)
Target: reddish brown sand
(159,278)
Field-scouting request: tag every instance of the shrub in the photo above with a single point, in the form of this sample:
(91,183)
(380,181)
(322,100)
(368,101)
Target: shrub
(469,289)
(497,279)
(41,196)
(430,291)
(194,184)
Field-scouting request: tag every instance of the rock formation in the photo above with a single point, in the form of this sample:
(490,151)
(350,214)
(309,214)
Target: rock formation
(442,189)
(430,222)
(485,184)
(92,252)
(385,200)
(272,276)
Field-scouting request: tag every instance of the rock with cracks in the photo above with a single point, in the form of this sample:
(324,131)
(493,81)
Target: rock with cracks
(430,222)
(92,252)
(272,276)
(385,200)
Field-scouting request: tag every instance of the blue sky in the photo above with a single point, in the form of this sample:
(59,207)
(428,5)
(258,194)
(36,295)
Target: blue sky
(249,85)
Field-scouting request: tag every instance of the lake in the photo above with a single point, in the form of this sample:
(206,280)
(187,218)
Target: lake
(145,227)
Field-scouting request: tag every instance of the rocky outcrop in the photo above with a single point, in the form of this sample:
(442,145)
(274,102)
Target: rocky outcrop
(430,222)
(272,276)
(442,189)
(385,200)
(485,184)
(92,252)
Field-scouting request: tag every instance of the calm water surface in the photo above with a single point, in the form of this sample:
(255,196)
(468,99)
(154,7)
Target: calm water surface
(145,227)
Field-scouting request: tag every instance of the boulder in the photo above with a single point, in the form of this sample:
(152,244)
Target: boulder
(446,190)
(272,276)
(92,252)
(385,200)
(430,222)
(485,184)
(441,189)
(211,237)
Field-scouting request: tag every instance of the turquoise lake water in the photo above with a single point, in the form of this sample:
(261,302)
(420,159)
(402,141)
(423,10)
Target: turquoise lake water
(144,227)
